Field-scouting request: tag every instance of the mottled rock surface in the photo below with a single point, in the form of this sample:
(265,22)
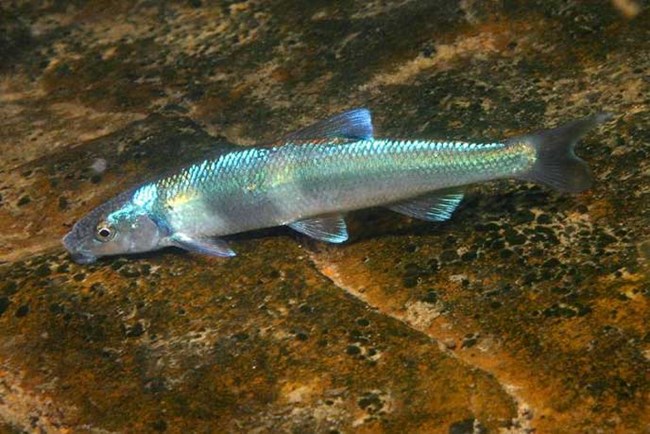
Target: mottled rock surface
(528,311)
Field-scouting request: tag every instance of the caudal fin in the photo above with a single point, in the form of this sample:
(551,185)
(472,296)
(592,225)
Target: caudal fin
(556,165)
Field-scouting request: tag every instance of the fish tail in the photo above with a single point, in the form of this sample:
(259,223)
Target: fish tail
(555,163)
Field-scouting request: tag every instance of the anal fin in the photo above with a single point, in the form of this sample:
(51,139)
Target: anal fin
(330,228)
(207,246)
(433,207)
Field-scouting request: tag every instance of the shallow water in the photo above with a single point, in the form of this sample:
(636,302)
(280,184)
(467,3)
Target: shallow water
(528,310)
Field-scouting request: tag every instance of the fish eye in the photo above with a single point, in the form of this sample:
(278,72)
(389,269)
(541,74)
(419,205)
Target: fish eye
(104,232)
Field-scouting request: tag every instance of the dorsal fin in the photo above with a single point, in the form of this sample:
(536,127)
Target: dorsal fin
(352,124)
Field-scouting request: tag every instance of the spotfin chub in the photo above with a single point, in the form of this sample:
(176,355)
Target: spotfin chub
(310,178)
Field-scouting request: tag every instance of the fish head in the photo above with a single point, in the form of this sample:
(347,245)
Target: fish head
(116,227)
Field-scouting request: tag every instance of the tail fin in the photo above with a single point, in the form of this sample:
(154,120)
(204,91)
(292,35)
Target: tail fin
(556,165)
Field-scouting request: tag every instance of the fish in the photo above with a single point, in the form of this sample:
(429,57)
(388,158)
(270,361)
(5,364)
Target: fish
(310,179)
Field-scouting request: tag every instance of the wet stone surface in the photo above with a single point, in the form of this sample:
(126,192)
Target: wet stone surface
(527,311)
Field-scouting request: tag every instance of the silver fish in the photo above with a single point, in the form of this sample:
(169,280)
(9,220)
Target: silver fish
(310,178)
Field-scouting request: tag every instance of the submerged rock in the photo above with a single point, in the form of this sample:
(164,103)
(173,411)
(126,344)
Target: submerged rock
(528,310)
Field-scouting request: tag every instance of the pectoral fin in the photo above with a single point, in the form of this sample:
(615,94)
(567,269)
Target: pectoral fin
(325,228)
(435,207)
(207,246)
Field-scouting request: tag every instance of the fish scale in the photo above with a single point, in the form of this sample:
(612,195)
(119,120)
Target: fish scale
(311,178)
(298,180)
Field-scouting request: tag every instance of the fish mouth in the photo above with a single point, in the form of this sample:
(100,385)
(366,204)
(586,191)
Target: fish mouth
(83,258)
(78,256)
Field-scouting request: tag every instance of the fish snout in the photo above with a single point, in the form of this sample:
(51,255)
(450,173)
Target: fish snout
(68,242)
(79,256)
